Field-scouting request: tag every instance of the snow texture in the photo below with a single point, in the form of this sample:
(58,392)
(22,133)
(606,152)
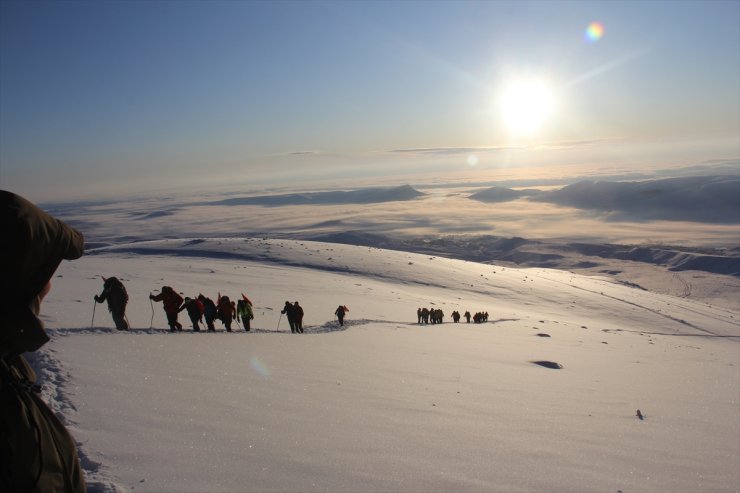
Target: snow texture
(383,403)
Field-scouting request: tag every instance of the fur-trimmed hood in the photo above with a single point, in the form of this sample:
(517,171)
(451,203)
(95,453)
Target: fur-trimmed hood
(32,246)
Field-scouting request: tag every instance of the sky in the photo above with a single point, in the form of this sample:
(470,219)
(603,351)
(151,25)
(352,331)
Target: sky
(106,97)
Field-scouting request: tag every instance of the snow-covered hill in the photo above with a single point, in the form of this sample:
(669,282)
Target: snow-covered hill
(383,403)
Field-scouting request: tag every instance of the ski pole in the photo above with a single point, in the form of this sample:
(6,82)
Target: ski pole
(92,321)
(279,318)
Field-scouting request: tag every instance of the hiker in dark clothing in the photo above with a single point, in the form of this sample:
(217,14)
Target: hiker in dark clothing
(37,453)
(115,293)
(195,310)
(209,311)
(456,316)
(225,311)
(298,317)
(418,316)
(467,316)
(339,312)
(289,312)
(171,302)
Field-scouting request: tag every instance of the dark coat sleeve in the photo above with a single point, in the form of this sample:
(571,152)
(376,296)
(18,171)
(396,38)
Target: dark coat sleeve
(37,454)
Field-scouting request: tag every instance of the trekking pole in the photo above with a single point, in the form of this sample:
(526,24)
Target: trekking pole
(92,321)
(279,318)
(151,322)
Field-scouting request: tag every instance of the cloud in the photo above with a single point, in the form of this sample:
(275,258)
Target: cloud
(557,145)
(362,196)
(304,153)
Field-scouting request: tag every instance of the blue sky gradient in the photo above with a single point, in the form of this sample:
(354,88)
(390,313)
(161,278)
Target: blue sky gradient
(100,96)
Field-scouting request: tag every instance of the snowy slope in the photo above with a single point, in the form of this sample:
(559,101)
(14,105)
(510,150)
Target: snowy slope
(386,404)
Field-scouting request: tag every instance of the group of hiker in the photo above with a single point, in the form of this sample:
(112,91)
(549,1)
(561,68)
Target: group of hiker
(429,316)
(436,316)
(198,308)
(294,313)
(226,310)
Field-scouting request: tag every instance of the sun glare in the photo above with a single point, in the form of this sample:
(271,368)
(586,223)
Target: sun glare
(525,105)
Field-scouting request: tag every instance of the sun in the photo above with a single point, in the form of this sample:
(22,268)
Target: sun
(525,106)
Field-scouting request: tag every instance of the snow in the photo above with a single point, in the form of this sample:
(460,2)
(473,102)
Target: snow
(384,404)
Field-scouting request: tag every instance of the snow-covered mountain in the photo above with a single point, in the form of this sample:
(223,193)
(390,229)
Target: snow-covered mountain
(384,403)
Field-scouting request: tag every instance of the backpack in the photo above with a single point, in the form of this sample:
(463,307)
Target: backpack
(117,294)
(243,309)
(209,308)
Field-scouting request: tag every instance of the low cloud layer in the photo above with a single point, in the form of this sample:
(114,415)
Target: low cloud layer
(363,196)
(693,211)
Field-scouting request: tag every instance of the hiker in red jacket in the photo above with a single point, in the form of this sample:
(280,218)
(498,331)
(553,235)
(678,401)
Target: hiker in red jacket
(171,302)
(225,311)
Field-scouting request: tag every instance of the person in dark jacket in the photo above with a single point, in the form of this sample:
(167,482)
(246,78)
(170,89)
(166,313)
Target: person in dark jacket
(115,293)
(171,302)
(37,453)
(195,310)
(209,311)
(289,312)
(339,312)
(298,317)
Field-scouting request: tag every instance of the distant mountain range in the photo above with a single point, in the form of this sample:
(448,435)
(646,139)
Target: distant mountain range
(710,199)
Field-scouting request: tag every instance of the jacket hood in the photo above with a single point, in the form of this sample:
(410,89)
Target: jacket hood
(32,246)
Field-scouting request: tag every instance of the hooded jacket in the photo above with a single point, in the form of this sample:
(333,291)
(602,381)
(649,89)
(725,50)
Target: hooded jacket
(36,451)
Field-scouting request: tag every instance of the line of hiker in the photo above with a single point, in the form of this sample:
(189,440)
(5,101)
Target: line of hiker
(200,307)
(436,316)
(226,311)
(429,316)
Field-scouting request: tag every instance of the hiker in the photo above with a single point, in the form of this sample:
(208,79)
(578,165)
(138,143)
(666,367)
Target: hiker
(339,312)
(171,302)
(115,293)
(195,310)
(38,454)
(225,311)
(467,316)
(425,315)
(298,317)
(289,311)
(209,311)
(244,312)
(418,315)
(456,316)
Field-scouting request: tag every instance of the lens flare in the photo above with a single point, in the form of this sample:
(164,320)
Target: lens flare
(259,367)
(594,32)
